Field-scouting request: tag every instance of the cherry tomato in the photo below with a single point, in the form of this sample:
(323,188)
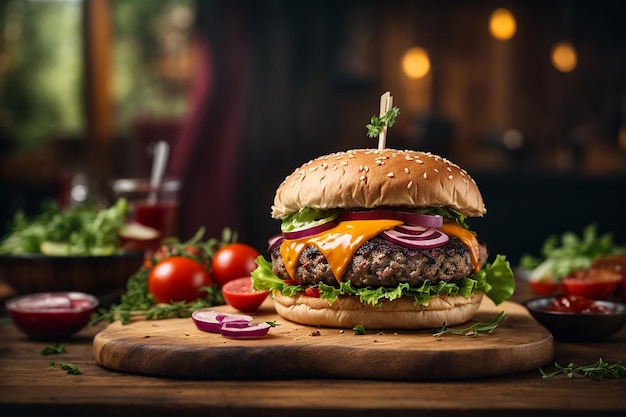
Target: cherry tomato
(577,305)
(233,261)
(239,294)
(545,287)
(177,278)
(595,283)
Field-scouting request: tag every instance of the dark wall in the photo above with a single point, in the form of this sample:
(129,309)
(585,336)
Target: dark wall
(522,211)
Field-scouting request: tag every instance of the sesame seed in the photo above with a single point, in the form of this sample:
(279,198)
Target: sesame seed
(344,163)
(450,177)
(313,169)
(324,164)
(407,170)
(390,174)
(424,175)
(419,161)
(436,170)
(449,169)
(362,177)
(409,185)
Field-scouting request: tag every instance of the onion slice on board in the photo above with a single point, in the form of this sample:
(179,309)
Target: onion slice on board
(210,320)
(252,331)
(234,326)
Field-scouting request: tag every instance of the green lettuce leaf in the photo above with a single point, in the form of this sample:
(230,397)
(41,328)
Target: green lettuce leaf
(496,280)
(307,217)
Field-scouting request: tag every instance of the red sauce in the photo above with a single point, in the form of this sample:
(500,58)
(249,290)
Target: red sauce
(161,216)
(577,305)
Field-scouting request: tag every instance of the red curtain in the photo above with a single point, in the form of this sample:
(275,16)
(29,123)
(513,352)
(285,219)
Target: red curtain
(205,155)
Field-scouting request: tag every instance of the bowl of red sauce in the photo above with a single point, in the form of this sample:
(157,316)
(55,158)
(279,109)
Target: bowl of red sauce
(51,315)
(575,318)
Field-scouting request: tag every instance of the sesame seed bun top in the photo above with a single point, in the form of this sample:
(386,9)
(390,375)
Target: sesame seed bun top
(370,178)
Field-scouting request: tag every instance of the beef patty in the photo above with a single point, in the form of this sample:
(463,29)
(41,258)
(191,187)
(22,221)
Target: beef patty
(381,263)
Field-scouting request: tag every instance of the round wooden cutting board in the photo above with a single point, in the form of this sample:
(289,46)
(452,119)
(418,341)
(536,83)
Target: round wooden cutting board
(176,348)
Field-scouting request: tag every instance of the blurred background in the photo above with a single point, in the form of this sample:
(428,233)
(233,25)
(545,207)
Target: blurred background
(528,96)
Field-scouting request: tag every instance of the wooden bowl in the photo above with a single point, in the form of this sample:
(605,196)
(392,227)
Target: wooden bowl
(96,275)
(583,327)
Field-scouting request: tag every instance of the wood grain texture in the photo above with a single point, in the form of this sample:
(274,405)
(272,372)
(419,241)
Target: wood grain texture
(176,348)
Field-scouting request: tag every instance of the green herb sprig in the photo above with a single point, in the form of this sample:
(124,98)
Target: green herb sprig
(596,371)
(377,123)
(476,329)
(359,329)
(67,367)
(70,368)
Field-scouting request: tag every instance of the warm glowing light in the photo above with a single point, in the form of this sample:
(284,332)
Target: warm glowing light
(502,24)
(564,57)
(416,63)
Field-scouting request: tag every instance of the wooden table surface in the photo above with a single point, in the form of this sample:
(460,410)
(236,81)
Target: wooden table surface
(29,387)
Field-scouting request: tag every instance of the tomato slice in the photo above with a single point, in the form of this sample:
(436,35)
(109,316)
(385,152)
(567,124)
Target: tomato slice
(312,292)
(545,287)
(594,283)
(239,294)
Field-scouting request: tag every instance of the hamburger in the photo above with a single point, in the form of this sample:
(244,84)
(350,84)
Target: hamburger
(378,238)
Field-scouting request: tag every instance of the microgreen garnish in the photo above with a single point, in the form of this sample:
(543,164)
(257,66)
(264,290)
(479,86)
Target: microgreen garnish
(273,323)
(475,329)
(70,368)
(67,367)
(596,371)
(53,350)
(359,329)
(377,123)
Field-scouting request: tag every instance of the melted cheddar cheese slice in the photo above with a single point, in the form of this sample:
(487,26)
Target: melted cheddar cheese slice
(337,244)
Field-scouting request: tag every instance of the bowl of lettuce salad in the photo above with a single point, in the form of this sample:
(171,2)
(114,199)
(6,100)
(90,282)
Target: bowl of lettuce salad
(77,249)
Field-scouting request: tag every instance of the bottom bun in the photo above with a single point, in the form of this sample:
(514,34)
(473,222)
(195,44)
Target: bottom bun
(400,314)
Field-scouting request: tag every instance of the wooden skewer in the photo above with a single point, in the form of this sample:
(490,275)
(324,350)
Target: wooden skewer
(386,101)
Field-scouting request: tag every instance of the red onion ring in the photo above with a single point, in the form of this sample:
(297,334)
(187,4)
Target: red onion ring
(370,215)
(415,219)
(234,326)
(299,234)
(274,241)
(210,320)
(432,240)
(418,219)
(411,229)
